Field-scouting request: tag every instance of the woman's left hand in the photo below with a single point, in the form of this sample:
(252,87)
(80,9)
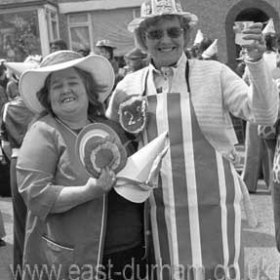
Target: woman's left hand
(256,43)
(97,187)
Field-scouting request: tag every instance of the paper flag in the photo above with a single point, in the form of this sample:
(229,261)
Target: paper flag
(269,28)
(198,37)
(211,50)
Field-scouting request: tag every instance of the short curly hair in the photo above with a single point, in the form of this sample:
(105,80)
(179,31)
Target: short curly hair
(95,108)
(140,31)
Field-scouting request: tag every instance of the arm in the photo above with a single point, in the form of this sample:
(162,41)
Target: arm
(4,141)
(258,102)
(37,166)
(69,197)
(263,92)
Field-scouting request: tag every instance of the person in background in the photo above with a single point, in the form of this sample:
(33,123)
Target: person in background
(260,140)
(16,118)
(84,51)
(203,46)
(195,210)
(3,84)
(106,49)
(3,75)
(74,221)
(4,158)
(57,45)
(135,60)
(2,225)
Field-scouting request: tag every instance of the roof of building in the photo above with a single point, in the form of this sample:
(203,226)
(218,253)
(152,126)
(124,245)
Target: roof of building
(22,3)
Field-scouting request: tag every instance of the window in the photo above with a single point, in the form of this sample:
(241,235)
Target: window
(19,35)
(80,31)
(53,25)
(136,13)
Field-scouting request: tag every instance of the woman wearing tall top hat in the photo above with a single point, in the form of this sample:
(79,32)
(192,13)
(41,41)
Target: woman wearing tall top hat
(195,210)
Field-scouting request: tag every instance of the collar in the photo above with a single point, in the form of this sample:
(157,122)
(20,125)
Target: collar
(182,60)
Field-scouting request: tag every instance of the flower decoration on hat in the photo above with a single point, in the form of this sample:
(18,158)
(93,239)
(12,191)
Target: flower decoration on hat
(154,8)
(163,6)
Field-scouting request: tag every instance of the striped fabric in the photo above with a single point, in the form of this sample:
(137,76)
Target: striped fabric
(195,211)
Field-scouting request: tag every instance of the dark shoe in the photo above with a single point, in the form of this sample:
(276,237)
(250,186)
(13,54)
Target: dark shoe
(2,243)
(252,191)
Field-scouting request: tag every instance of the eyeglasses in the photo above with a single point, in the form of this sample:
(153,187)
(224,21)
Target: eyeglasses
(172,32)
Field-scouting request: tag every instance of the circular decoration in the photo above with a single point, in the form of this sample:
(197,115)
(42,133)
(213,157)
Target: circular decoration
(98,146)
(132,114)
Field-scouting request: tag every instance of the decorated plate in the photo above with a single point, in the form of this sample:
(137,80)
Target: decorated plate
(98,146)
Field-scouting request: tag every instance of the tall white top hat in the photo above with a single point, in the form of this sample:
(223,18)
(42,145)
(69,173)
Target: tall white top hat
(269,28)
(198,37)
(211,50)
(153,8)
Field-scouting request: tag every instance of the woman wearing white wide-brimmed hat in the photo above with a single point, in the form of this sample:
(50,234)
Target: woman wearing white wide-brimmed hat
(75,221)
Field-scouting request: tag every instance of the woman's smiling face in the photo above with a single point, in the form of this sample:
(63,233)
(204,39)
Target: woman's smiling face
(67,93)
(165,51)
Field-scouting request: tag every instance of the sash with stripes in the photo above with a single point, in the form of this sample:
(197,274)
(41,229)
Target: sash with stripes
(195,211)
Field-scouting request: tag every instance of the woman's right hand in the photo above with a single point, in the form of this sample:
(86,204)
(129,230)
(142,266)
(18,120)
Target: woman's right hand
(105,182)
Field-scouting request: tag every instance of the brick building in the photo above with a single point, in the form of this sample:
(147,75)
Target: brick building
(27,26)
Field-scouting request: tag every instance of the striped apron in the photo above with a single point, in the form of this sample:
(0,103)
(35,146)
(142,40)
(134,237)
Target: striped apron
(195,210)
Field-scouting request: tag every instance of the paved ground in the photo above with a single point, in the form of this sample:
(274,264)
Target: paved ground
(261,257)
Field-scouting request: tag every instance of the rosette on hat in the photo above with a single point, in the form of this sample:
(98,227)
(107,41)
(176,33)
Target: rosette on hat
(99,146)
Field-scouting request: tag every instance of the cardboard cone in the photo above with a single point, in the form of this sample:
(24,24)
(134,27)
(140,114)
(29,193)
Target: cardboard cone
(132,191)
(211,50)
(138,179)
(269,28)
(138,165)
(198,37)
(19,67)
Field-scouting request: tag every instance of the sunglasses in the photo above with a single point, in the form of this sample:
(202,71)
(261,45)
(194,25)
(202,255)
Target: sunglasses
(172,32)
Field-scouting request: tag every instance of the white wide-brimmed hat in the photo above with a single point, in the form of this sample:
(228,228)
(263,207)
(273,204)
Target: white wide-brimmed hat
(33,80)
(153,8)
(19,67)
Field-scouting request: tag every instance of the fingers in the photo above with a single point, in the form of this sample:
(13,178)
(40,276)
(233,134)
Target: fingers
(108,176)
(254,32)
(254,28)
(256,44)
